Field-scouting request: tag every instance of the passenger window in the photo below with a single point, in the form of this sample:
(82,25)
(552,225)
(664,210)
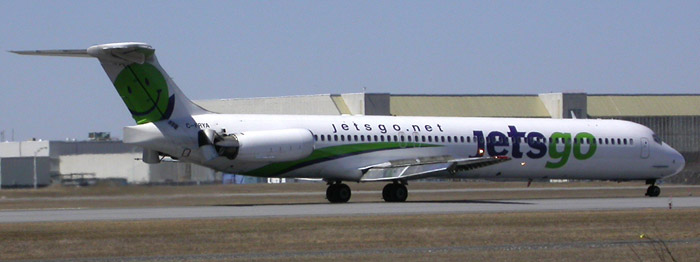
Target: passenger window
(315,138)
(442,138)
(430,139)
(461,139)
(468,139)
(449,139)
(624,141)
(342,137)
(362,138)
(336,137)
(422,138)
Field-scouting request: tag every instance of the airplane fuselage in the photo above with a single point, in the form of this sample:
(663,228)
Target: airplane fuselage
(539,148)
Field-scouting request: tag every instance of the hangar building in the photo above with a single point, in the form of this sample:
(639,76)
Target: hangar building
(674,117)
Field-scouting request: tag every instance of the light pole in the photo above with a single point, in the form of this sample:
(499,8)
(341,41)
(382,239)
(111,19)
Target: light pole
(35,153)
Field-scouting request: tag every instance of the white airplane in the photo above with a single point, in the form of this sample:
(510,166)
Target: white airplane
(371,148)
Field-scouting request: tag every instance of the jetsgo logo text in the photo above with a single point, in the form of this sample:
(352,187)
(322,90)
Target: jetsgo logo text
(559,145)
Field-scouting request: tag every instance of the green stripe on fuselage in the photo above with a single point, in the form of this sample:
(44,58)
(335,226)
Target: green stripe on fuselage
(330,153)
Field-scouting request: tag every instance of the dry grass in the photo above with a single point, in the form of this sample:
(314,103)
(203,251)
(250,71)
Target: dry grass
(585,236)
(158,196)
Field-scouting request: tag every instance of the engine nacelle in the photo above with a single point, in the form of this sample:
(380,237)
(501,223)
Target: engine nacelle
(257,146)
(274,145)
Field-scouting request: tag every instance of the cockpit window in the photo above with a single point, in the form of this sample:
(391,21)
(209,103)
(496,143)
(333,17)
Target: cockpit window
(657,139)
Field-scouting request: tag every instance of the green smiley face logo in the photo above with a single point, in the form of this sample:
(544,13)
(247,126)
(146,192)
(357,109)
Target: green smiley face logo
(145,92)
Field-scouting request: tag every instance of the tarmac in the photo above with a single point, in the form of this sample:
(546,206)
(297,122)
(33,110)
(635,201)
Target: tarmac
(346,209)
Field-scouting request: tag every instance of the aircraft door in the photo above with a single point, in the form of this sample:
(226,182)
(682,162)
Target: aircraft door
(645,148)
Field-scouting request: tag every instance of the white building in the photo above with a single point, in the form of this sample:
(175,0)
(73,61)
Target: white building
(89,159)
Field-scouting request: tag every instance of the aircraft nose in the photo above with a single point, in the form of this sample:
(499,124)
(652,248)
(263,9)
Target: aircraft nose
(677,161)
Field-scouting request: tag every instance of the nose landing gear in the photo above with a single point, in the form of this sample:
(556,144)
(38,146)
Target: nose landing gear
(653,190)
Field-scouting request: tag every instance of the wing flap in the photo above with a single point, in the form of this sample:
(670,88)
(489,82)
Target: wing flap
(408,169)
(404,172)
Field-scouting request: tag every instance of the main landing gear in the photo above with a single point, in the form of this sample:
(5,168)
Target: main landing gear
(653,190)
(338,192)
(395,192)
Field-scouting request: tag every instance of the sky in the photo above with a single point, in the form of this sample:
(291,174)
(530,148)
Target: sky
(240,49)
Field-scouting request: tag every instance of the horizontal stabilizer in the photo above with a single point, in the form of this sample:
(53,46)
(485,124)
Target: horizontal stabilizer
(65,52)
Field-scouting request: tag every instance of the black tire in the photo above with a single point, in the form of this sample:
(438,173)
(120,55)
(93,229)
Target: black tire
(387,193)
(395,193)
(400,193)
(343,193)
(331,193)
(338,193)
(653,191)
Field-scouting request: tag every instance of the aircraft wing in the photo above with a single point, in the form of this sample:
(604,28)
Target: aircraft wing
(408,169)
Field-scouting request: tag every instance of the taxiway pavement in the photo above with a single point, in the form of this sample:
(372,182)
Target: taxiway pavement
(347,209)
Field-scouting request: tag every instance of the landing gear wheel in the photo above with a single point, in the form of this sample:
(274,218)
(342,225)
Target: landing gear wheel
(338,193)
(653,191)
(395,192)
(386,193)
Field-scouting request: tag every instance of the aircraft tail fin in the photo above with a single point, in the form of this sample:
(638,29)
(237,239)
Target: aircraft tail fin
(146,89)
